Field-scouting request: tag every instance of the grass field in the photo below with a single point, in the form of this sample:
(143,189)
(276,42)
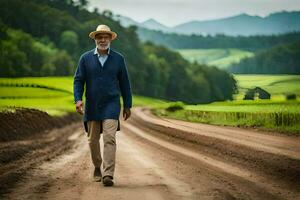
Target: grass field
(51,94)
(221,58)
(277,85)
(283,116)
(29,92)
(54,95)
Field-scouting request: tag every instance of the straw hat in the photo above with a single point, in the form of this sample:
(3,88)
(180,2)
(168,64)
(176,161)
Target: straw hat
(103,29)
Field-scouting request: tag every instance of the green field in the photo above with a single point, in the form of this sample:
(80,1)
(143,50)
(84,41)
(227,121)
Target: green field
(30,92)
(279,116)
(277,85)
(54,95)
(51,94)
(221,58)
(276,114)
(59,83)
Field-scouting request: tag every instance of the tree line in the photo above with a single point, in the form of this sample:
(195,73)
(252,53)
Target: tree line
(47,37)
(22,55)
(180,41)
(281,59)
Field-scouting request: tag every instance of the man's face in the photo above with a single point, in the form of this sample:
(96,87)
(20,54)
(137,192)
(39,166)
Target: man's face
(102,41)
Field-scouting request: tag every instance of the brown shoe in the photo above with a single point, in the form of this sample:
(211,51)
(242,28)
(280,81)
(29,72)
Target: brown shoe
(97,175)
(108,181)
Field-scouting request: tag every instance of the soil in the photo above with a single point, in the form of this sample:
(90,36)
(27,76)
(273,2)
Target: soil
(157,158)
(28,137)
(24,122)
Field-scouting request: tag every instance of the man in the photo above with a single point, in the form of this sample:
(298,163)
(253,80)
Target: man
(104,74)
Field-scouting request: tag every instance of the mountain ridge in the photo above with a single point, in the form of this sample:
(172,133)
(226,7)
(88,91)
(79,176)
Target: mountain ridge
(241,24)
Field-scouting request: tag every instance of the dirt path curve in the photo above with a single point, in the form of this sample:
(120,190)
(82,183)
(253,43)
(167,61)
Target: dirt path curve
(279,144)
(152,166)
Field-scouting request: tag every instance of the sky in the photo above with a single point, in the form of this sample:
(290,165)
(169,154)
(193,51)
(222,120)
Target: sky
(174,12)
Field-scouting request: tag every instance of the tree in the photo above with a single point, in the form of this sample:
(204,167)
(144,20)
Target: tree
(63,64)
(82,3)
(107,13)
(13,62)
(281,59)
(70,42)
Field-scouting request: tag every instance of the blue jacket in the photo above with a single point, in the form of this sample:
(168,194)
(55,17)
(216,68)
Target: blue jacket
(103,86)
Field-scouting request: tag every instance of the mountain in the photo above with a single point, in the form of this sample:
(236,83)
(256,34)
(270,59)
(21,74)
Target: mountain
(150,24)
(125,21)
(244,24)
(237,25)
(154,25)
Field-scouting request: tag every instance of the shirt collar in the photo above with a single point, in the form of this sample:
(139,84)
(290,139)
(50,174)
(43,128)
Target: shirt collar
(96,52)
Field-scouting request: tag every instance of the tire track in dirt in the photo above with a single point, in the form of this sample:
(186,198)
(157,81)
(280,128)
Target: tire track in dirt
(275,144)
(69,176)
(21,156)
(276,173)
(156,162)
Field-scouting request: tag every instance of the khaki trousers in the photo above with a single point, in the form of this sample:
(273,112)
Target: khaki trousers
(109,144)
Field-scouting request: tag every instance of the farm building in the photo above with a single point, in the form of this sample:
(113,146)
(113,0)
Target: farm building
(257,91)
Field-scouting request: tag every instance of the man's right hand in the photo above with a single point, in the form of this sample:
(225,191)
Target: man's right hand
(79,107)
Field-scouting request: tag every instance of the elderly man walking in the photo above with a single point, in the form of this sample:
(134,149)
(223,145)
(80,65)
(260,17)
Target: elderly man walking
(102,73)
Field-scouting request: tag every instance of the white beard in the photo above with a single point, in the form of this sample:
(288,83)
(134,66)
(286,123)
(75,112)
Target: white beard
(103,47)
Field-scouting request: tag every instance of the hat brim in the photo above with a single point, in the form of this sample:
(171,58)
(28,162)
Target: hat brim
(94,33)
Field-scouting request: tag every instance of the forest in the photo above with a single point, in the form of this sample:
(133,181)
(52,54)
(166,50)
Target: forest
(280,59)
(49,40)
(251,43)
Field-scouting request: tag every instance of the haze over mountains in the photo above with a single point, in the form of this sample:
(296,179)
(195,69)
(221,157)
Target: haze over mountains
(243,24)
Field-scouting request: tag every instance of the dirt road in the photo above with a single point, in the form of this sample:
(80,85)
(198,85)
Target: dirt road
(170,159)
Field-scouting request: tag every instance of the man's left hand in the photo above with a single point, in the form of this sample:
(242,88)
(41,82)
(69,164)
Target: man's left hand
(126,113)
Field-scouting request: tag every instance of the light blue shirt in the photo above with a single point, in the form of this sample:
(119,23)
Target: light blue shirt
(102,58)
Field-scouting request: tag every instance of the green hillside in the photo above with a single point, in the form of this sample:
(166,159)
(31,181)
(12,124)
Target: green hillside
(280,59)
(58,35)
(222,58)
